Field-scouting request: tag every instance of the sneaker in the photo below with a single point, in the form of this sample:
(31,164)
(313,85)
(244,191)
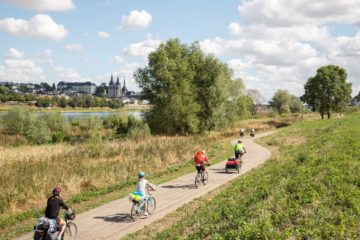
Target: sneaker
(146,214)
(58,238)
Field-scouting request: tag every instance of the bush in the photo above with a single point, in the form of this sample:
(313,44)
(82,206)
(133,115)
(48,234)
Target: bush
(14,121)
(115,104)
(139,130)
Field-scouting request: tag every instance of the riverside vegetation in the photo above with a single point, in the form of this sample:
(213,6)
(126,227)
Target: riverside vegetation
(309,190)
(93,167)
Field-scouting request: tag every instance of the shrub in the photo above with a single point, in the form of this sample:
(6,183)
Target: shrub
(140,130)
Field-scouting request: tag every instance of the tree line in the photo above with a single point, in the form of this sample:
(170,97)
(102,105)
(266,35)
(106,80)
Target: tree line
(193,92)
(84,101)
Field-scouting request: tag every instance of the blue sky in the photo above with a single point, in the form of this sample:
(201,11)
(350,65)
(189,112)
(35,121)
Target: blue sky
(270,44)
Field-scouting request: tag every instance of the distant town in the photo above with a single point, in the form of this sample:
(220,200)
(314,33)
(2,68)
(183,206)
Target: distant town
(113,90)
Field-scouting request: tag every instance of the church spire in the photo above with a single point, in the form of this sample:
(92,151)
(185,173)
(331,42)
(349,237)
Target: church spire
(111,80)
(117,81)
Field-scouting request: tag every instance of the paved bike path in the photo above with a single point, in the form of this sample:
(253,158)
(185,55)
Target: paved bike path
(112,220)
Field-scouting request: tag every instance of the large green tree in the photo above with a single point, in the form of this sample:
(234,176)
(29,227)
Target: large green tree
(328,90)
(190,90)
(280,102)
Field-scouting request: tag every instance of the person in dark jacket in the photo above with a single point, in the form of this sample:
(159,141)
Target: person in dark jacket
(54,204)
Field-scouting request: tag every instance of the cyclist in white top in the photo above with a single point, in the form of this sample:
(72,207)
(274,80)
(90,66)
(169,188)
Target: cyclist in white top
(142,186)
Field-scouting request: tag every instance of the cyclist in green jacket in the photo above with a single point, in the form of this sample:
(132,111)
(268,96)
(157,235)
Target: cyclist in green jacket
(239,149)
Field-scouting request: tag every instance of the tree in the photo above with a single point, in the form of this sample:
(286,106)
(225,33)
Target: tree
(100,91)
(189,90)
(257,99)
(328,90)
(62,102)
(280,102)
(295,105)
(4,90)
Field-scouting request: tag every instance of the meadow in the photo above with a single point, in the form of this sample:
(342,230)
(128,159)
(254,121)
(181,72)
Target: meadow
(310,189)
(95,171)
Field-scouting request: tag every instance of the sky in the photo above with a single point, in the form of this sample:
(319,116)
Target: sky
(269,44)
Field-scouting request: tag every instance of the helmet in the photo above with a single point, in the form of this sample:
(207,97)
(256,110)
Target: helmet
(56,191)
(141,174)
(239,141)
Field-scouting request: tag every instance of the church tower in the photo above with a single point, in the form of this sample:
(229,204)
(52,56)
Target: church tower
(114,90)
(124,89)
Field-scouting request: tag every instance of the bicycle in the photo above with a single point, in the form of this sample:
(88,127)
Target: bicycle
(201,176)
(42,230)
(138,207)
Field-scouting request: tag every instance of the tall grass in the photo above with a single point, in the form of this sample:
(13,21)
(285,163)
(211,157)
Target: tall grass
(311,190)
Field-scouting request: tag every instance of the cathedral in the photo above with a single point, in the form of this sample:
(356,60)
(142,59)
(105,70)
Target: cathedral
(115,90)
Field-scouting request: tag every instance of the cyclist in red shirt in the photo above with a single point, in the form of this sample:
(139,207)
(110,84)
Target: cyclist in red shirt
(199,160)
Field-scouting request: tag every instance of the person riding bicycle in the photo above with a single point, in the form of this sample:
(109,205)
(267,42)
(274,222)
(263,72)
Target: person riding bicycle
(242,132)
(54,203)
(252,132)
(141,186)
(239,149)
(199,160)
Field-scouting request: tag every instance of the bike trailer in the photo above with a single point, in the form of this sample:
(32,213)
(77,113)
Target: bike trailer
(232,163)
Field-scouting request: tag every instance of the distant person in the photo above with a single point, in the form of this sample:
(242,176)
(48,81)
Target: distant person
(252,132)
(239,150)
(141,189)
(54,204)
(242,132)
(200,159)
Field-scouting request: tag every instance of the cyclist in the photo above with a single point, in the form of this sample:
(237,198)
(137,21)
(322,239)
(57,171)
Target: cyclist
(252,132)
(141,187)
(54,203)
(239,149)
(242,132)
(199,160)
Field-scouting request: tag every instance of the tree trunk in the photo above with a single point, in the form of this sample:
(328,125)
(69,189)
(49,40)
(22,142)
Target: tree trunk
(329,114)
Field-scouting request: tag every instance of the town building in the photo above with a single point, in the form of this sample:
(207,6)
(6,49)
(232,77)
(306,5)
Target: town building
(114,89)
(81,87)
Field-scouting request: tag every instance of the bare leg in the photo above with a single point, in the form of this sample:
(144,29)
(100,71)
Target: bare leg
(62,224)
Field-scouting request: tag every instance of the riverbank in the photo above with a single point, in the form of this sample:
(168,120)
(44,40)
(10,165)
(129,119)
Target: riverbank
(4,107)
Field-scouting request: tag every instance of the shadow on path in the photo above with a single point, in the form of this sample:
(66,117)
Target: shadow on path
(119,217)
(188,186)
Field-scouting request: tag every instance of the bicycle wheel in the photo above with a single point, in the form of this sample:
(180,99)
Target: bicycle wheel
(205,177)
(70,231)
(197,180)
(151,205)
(135,211)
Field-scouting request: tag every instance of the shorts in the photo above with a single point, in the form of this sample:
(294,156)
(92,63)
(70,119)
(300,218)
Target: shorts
(238,154)
(201,167)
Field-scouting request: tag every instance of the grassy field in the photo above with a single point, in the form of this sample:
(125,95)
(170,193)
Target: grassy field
(310,190)
(96,172)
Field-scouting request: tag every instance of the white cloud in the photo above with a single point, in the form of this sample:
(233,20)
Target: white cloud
(69,75)
(103,34)
(142,49)
(235,28)
(40,25)
(74,47)
(136,20)
(15,54)
(117,60)
(16,68)
(294,12)
(44,5)
(280,44)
